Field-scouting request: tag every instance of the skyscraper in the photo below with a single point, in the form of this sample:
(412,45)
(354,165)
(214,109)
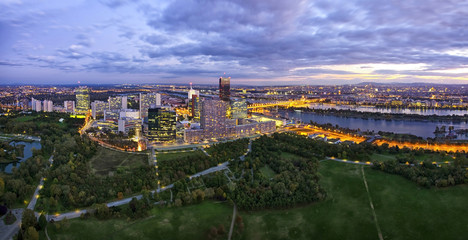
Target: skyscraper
(194,107)
(115,103)
(82,100)
(213,118)
(98,108)
(161,125)
(224,88)
(69,106)
(147,101)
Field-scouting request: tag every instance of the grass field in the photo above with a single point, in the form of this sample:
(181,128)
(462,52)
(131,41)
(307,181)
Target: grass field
(164,156)
(382,157)
(267,171)
(191,222)
(106,160)
(25,118)
(404,211)
(431,157)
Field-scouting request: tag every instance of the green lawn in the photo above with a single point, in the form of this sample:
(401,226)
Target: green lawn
(289,156)
(267,171)
(164,156)
(382,157)
(106,160)
(24,118)
(404,211)
(191,222)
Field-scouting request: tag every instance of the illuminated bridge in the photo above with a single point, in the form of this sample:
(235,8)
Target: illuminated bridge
(290,103)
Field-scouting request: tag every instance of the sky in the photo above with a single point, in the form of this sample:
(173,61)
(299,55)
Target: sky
(267,42)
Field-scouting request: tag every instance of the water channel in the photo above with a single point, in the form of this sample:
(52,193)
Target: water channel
(28,146)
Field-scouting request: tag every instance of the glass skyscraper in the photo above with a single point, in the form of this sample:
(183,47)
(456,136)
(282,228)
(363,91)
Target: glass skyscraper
(224,88)
(161,125)
(82,100)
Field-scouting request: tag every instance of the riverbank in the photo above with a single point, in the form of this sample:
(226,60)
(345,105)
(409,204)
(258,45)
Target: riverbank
(386,116)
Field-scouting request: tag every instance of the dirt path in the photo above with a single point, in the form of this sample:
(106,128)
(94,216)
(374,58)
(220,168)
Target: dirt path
(371,205)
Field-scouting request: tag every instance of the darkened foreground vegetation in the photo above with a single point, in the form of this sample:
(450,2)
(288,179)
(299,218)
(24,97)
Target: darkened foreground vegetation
(295,182)
(405,211)
(19,186)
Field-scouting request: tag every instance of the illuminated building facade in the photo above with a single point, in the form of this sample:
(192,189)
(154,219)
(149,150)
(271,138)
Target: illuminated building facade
(115,103)
(69,106)
(224,88)
(147,101)
(47,106)
(238,108)
(161,125)
(82,100)
(213,118)
(194,107)
(98,108)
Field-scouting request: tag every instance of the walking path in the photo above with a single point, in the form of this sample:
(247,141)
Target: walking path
(234,212)
(371,205)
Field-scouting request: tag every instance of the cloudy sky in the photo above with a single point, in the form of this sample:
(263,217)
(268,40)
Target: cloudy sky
(262,42)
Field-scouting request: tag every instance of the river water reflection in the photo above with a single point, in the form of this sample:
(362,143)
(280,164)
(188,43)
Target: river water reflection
(440,112)
(423,129)
(28,146)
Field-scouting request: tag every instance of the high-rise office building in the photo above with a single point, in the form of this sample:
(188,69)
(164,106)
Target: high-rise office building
(82,100)
(192,92)
(124,102)
(194,107)
(98,108)
(69,106)
(161,125)
(238,108)
(224,88)
(115,103)
(213,118)
(48,106)
(147,101)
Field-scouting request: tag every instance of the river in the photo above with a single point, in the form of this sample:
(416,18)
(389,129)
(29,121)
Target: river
(425,112)
(28,146)
(423,129)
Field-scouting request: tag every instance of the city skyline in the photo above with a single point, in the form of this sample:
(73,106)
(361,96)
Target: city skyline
(274,43)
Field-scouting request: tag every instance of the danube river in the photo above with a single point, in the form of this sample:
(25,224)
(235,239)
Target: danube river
(28,146)
(423,129)
(440,112)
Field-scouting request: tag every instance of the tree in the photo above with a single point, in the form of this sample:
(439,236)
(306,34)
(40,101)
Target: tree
(42,221)
(2,184)
(28,220)
(31,234)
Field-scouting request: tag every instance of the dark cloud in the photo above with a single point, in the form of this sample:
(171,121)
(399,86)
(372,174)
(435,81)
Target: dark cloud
(6,63)
(116,3)
(280,35)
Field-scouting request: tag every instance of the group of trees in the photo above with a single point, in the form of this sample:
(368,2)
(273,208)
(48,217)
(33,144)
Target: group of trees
(18,186)
(135,209)
(295,182)
(426,174)
(71,182)
(9,153)
(30,225)
(178,168)
(228,150)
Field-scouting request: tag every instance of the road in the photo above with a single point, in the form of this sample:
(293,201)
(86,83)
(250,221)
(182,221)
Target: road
(33,201)
(11,230)
(348,161)
(8,231)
